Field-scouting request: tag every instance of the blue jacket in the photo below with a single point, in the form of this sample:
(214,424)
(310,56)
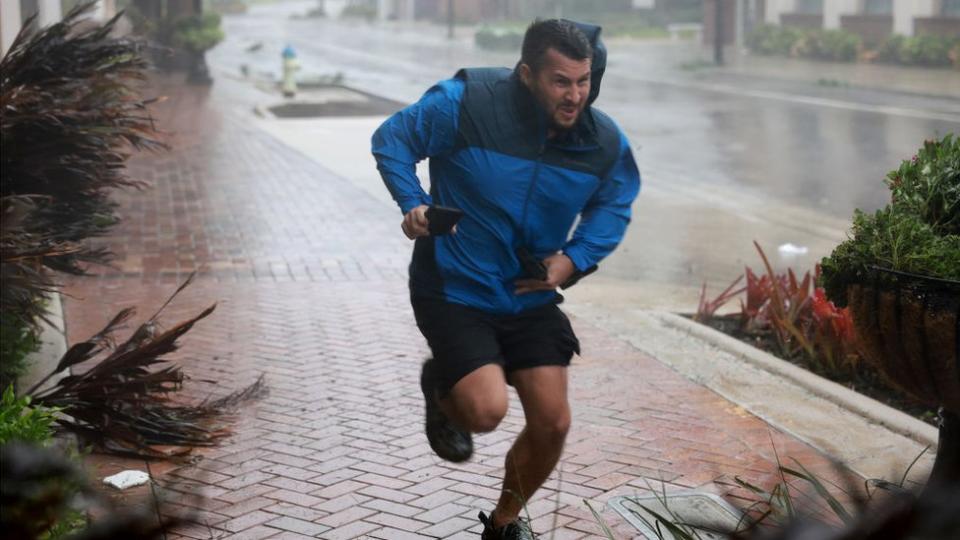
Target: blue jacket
(486,138)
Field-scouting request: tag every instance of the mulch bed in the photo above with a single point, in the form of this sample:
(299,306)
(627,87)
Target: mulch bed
(865,380)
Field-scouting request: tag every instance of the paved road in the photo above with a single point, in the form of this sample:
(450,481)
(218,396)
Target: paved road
(726,159)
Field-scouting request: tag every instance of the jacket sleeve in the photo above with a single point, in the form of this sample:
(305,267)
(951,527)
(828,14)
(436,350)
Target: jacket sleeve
(428,128)
(606,215)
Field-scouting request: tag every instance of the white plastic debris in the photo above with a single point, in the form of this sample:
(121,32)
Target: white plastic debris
(790,250)
(127,479)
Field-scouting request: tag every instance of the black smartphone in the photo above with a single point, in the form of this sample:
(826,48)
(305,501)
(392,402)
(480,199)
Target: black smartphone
(532,267)
(577,276)
(441,219)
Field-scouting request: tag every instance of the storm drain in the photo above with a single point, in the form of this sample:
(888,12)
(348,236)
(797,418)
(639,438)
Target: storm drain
(694,512)
(332,102)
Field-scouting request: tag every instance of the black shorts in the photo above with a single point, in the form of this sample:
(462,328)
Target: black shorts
(463,339)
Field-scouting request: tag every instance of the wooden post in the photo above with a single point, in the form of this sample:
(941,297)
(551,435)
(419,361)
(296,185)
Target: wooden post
(450,18)
(718,36)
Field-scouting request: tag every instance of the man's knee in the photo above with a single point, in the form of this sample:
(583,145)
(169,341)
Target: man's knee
(552,429)
(479,401)
(483,416)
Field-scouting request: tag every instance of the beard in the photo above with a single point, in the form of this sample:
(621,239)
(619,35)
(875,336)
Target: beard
(556,124)
(553,110)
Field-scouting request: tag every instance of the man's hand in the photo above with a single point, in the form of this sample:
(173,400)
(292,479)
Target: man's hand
(559,269)
(415,222)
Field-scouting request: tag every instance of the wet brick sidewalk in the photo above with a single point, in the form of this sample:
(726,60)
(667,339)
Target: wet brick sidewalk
(308,272)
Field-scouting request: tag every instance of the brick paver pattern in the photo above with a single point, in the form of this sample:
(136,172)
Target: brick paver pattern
(309,275)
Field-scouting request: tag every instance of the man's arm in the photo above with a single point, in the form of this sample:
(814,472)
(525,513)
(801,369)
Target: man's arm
(425,129)
(605,217)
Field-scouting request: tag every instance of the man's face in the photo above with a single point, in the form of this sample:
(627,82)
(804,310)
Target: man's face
(561,86)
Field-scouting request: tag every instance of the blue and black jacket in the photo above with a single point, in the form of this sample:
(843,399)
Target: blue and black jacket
(486,137)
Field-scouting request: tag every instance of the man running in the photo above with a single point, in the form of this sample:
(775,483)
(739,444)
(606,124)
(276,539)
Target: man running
(523,154)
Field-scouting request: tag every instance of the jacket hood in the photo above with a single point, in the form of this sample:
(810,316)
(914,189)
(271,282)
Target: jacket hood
(599,62)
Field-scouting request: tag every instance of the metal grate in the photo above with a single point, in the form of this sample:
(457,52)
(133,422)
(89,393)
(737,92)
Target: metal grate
(701,511)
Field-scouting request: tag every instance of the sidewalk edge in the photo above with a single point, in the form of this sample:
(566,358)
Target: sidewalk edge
(869,408)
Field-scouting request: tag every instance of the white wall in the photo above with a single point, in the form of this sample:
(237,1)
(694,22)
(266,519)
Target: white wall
(50,12)
(776,7)
(9,23)
(834,9)
(905,10)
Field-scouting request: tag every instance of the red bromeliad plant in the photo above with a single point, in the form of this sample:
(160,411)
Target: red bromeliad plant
(833,333)
(707,308)
(795,313)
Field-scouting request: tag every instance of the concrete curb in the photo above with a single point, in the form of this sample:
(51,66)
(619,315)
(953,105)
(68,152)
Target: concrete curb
(53,345)
(872,410)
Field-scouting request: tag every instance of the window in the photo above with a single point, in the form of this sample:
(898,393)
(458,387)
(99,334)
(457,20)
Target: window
(814,7)
(950,8)
(878,7)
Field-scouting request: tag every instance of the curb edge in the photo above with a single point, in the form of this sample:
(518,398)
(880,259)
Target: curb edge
(866,407)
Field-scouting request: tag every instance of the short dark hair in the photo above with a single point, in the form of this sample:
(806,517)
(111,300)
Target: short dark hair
(561,35)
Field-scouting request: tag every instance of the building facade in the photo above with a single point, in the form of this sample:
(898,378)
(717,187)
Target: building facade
(13,13)
(872,20)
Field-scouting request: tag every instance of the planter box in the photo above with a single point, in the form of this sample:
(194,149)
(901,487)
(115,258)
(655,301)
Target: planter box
(912,338)
(910,331)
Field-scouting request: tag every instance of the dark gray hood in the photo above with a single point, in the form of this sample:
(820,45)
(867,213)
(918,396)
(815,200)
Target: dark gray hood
(599,62)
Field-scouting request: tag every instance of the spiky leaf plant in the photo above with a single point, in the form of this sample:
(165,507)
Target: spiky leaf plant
(70,117)
(121,403)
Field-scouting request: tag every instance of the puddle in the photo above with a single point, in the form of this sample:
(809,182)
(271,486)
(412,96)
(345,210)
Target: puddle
(333,101)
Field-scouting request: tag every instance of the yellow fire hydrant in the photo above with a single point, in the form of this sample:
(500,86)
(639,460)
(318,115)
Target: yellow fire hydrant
(290,66)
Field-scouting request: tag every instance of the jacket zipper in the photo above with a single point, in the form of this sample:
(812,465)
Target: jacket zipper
(533,182)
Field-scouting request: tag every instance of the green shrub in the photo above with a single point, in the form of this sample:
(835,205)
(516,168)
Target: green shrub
(198,33)
(927,50)
(21,422)
(834,45)
(928,186)
(844,46)
(931,51)
(17,341)
(773,40)
(45,497)
(889,50)
(359,11)
(501,39)
(69,523)
(918,232)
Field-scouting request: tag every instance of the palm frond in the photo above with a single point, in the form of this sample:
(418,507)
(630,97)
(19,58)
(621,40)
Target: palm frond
(70,117)
(122,404)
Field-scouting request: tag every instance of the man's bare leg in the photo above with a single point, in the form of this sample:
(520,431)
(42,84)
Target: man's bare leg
(479,401)
(535,453)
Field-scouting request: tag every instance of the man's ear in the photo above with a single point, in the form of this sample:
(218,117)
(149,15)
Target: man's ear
(526,74)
